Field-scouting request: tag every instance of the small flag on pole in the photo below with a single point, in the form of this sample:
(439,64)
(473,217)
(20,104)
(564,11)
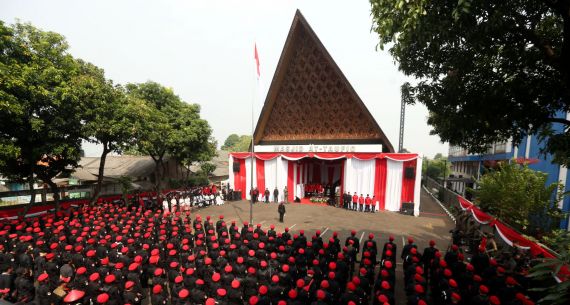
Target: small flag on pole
(256,60)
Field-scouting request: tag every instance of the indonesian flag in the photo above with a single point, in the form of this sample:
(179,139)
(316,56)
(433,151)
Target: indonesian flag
(256,56)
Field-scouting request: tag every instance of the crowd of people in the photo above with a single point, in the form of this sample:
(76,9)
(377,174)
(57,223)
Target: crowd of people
(128,255)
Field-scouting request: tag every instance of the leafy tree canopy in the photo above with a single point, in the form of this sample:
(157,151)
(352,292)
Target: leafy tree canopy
(172,127)
(237,143)
(520,197)
(40,122)
(435,168)
(486,70)
(230,141)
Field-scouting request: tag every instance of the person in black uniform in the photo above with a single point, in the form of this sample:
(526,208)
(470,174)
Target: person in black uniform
(281,211)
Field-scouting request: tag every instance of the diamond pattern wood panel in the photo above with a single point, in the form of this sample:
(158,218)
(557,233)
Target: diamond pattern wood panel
(314,102)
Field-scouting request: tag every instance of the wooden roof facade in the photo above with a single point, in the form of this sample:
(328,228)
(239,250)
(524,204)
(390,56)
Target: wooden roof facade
(310,101)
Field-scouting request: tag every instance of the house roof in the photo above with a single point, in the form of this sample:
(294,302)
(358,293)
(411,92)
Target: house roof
(310,101)
(115,166)
(221,161)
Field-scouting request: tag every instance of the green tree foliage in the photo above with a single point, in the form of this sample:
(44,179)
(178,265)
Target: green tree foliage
(237,143)
(109,119)
(520,197)
(230,141)
(172,127)
(207,168)
(40,123)
(486,70)
(554,293)
(435,168)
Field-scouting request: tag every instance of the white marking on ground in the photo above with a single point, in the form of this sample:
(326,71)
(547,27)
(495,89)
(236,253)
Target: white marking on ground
(325,231)
(361,236)
(291,227)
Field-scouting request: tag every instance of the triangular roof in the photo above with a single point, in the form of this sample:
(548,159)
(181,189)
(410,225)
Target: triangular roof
(310,101)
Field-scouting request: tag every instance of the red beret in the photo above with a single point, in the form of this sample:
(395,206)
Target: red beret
(215,277)
(81,270)
(320,294)
(262,289)
(156,289)
(235,284)
(158,272)
(178,279)
(419,289)
(494,300)
(292,294)
(102,298)
(110,278)
(94,277)
(129,284)
(253,300)
(183,293)
(483,289)
(221,292)
(73,296)
(43,277)
(456,296)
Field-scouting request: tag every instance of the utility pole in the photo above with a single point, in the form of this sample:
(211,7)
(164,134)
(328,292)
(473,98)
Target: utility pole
(406,94)
(402,122)
(444,172)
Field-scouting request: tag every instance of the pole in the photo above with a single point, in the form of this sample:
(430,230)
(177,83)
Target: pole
(252,148)
(444,172)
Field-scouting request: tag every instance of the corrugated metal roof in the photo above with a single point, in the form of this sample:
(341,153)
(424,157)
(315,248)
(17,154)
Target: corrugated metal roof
(115,166)
(221,162)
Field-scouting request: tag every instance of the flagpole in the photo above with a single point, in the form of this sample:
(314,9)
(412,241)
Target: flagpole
(252,151)
(252,141)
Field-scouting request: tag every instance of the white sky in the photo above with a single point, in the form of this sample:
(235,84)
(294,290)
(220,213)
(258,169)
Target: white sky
(204,51)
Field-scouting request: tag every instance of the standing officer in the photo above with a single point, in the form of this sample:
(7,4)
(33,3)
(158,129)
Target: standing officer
(281,210)
(276,195)
(266,195)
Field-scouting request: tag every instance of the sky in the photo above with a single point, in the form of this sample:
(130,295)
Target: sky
(203,50)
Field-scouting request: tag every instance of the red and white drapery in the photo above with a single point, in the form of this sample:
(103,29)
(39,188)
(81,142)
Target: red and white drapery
(380,175)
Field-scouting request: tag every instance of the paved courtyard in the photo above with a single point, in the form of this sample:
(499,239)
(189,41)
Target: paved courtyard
(432,223)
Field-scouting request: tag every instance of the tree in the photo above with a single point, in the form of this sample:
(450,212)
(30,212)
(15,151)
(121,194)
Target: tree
(230,141)
(208,168)
(238,143)
(108,119)
(487,70)
(554,293)
(172,127)
(520,197)
(435,168)
(40,124)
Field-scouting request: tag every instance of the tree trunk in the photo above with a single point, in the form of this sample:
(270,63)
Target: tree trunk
(100,175)
(158,178)
(32,194)
(55,190)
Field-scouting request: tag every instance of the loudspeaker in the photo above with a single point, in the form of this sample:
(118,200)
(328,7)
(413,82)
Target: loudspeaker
(236,167)
(407,208)
(410,173)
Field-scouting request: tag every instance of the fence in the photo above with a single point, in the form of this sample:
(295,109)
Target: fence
(446,196)
(71,192)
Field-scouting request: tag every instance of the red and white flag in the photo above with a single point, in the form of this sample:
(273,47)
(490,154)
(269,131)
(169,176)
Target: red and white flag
(256,56)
